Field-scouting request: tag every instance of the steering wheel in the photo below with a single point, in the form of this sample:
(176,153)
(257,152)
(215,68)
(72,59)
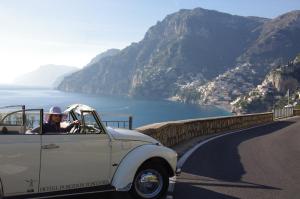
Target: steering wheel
(77,128)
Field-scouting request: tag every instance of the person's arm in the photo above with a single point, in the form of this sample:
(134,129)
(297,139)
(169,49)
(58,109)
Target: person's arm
(68,128)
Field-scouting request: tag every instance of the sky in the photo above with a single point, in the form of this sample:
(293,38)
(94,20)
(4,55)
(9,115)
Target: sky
(72,32)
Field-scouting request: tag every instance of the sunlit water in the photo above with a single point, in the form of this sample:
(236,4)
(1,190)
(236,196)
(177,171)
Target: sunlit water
(143,111)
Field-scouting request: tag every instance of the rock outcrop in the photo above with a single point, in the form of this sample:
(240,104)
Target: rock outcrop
(272,92)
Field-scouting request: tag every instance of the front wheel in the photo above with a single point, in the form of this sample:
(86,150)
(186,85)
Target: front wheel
(150,182)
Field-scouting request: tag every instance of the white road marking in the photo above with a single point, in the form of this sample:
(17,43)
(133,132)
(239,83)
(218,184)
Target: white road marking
(171,188)
(183,159)
(172,182)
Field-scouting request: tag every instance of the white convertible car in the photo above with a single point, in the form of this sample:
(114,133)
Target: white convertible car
(90,158)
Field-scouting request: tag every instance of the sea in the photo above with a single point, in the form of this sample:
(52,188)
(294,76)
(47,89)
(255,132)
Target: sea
(143,111)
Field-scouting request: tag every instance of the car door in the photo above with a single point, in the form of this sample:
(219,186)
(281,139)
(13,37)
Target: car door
(76,160)
(20,152)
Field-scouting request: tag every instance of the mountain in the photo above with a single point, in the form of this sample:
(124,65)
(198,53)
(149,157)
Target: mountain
(110,52)
(279,40)
(277,43)
(45,76)
(196,56)
(188,45)
(272,91)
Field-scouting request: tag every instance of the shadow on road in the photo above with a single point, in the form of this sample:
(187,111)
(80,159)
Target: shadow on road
(192,191)
(108,195)
(221,160)
(218,164)
(214,183)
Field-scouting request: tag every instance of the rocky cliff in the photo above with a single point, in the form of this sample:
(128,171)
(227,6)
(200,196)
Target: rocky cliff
(199,56)
(190,45)
(272,92)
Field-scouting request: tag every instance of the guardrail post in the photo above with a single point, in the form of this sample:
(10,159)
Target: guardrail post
(41,120)
(23,116)
(23,119)
(130,122)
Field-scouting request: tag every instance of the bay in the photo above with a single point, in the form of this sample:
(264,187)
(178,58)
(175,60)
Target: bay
(143,111)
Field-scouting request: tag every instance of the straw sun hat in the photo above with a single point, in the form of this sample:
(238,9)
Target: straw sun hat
(55,110)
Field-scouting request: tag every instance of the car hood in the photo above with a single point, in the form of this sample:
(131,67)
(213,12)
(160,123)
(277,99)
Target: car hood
(125,134)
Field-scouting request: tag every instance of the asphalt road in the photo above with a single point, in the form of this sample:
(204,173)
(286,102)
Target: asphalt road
(263,162)
(108,195)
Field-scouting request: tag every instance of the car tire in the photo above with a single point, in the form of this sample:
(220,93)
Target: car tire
(150,182)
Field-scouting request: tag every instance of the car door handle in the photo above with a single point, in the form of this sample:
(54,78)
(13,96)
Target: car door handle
(50,146)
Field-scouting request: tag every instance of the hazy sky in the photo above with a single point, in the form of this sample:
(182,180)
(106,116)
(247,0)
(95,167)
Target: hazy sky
(72,32)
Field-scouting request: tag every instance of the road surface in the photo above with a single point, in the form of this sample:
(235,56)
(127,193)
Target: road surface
(263,162)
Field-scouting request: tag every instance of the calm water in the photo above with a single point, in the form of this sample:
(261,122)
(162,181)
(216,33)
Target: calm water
(143,111)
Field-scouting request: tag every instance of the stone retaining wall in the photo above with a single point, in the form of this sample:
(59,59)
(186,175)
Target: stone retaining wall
(297,112)
(174,132)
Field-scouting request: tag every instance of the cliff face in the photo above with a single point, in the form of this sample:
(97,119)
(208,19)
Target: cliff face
(198,56)
(278,40)
(190,45)
(110,52)
(273,89)
(281,82)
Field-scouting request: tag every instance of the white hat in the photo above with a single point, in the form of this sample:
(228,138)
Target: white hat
(55,110)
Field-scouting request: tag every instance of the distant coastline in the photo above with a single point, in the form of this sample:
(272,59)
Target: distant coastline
(224,106)
(143,111)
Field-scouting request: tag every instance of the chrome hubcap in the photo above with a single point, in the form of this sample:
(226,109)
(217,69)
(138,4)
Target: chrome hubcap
(148,183)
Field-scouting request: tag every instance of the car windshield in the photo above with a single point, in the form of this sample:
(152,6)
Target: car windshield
(88,121)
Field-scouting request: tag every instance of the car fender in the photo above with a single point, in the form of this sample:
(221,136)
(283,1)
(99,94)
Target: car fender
(128,167)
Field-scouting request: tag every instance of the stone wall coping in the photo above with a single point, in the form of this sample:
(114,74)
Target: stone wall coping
(180,122)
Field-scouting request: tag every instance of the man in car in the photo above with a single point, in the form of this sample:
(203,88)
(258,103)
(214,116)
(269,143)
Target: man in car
(52,125)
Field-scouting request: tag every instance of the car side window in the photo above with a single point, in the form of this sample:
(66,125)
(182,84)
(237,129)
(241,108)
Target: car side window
(11,123)
(13,119)
(19,122)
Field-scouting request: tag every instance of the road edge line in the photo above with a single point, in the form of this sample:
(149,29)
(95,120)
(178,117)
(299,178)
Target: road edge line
(187,154)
